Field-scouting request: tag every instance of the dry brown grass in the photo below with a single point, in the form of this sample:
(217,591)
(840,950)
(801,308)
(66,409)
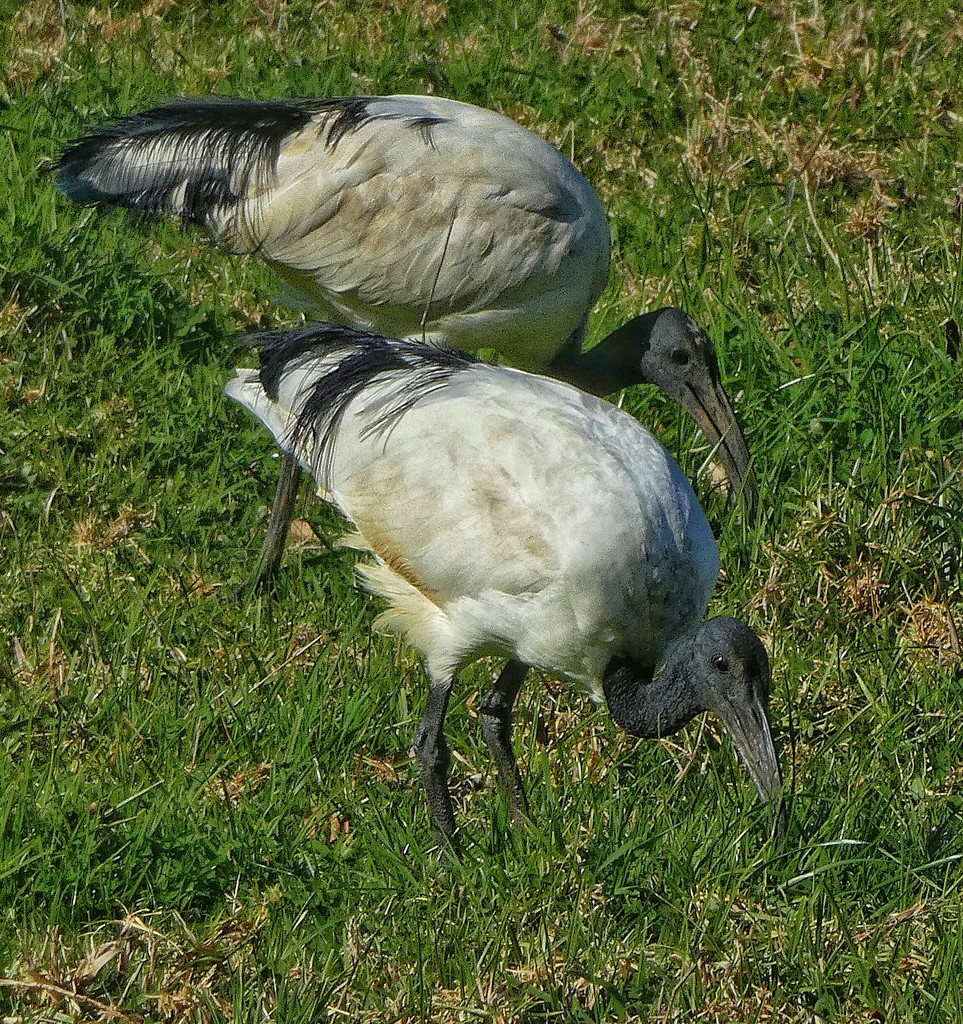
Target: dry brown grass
(95,532)
(176,974)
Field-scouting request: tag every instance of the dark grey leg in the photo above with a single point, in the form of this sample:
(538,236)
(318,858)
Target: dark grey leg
(281,511)
(497,717)
(433,760)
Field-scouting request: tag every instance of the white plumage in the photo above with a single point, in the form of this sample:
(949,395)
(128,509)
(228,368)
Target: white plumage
(404,215)
(493,503)
(507,514)
(413,217)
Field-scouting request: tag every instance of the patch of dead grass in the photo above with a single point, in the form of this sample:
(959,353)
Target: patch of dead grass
(110,25)
(871,215)
(930,633)
(822,528)
(47,31)
(387,771)
(858,586)
(512,996)
(43,38)
(823,42)
(94,532)
(719,146)
(150,960)
(591,34)
(244,782)
(822,163)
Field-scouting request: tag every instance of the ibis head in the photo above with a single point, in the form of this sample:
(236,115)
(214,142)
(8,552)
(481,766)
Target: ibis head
(720,667)
(669,349)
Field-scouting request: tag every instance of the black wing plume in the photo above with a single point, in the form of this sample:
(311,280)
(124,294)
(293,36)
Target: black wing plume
(357,361)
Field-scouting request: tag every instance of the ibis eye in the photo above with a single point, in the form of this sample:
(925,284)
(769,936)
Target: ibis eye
(680,357)
(720,662)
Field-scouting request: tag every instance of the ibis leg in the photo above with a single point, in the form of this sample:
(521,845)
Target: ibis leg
(433,761)
(497,718)
(281,511)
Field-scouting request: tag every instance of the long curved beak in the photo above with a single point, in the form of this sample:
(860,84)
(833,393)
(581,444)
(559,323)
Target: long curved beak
(750,731)
(710,407)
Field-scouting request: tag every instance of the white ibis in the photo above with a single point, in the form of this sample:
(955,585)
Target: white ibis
(413,217)
(509,514)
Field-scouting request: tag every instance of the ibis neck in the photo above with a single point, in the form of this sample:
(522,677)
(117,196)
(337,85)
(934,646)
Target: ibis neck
(614,363)
(649,707)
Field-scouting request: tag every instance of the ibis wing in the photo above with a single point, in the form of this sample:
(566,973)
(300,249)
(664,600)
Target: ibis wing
(405,215)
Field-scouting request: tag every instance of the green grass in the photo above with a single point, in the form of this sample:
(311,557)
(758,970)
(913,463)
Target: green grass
(208,810)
